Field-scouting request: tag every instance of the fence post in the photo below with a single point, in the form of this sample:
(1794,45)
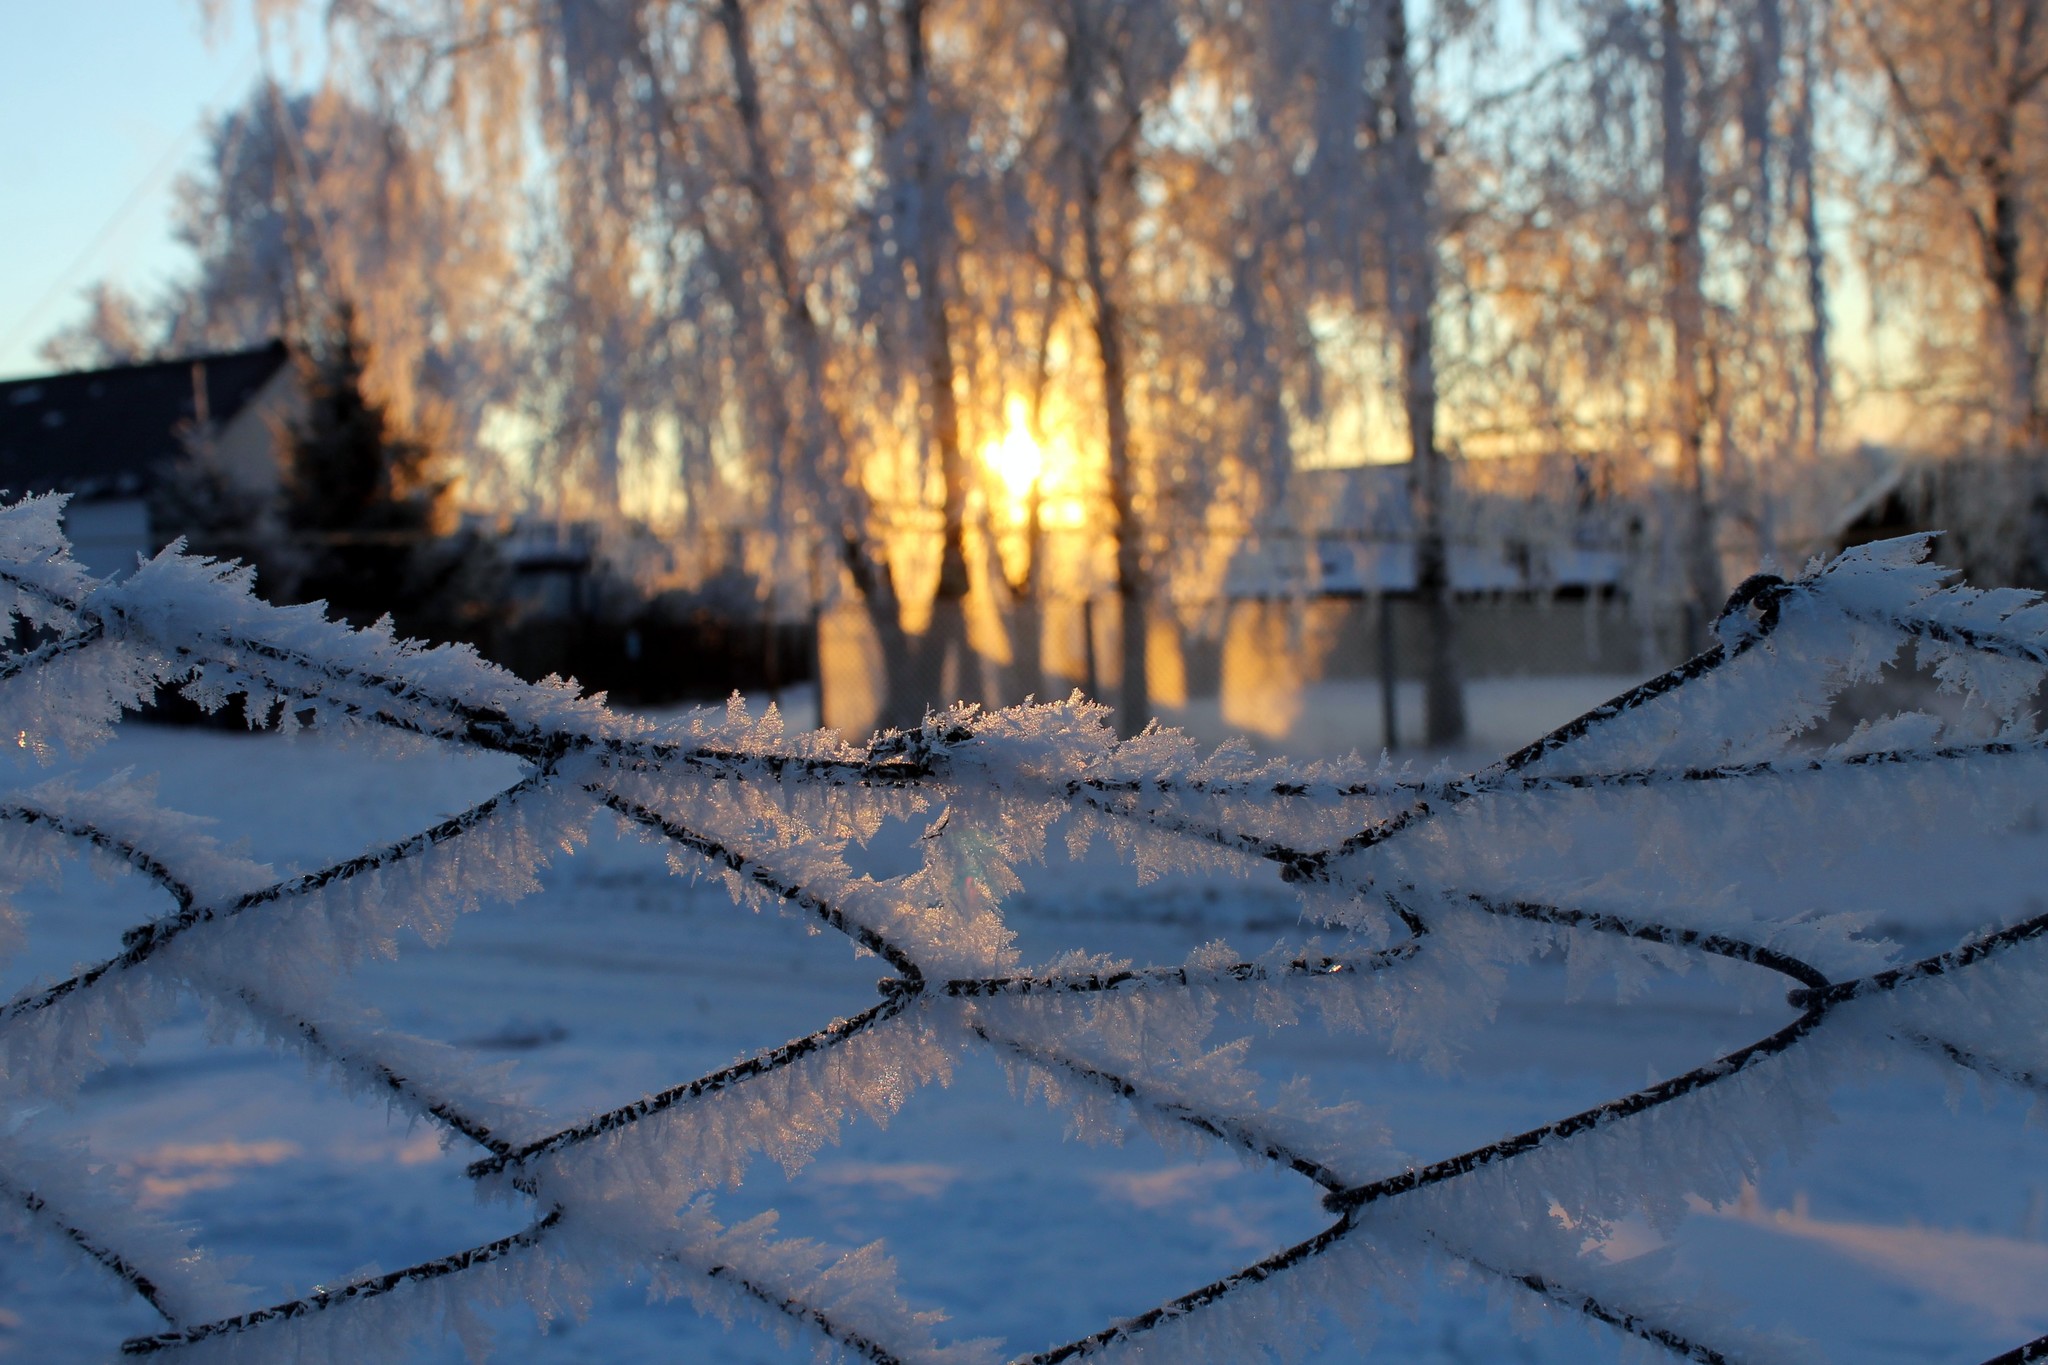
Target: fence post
(1090,684)
(1389,674)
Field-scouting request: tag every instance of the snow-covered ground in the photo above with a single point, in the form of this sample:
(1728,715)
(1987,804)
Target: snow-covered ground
(1338,717)
(1910,1230)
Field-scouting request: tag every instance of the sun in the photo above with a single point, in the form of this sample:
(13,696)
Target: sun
(1016,457)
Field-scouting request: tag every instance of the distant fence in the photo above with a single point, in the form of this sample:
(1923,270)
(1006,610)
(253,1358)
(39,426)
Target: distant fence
(1249,654)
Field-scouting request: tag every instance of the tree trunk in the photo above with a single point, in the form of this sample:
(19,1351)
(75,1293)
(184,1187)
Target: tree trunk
(1267,446)
(1027,615)
(1135,707)
(943,659)
(1135,704)
(1818,373)
(822,443)
(1411,300)
(1685,309)
(2023,421)
(1027,587)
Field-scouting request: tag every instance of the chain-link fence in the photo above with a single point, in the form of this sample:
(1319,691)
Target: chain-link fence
(1412,873)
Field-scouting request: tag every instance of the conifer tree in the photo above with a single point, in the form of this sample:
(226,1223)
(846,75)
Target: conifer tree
(363,507)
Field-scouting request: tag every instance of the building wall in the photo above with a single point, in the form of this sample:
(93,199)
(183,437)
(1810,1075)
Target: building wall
(250,448)
(108,533)
(1497,637)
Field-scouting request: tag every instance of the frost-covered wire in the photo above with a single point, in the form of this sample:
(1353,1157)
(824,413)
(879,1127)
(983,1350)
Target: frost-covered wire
(1435,883)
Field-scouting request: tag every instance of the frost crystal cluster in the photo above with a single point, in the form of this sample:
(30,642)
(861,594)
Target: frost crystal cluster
(1657,833)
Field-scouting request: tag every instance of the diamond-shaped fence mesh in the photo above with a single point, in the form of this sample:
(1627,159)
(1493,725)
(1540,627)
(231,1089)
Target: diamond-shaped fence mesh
(1653,832)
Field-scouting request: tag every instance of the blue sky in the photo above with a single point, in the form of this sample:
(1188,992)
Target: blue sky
(105,103)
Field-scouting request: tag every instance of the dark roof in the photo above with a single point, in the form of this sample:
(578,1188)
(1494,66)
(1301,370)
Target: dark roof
(108,433)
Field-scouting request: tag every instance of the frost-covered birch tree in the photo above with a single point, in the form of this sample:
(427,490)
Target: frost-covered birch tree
(1655,293)
(1118,60)
(302,202)
(1374,198)
(1958,96)
(1411,237)
(770,272)
(812,462)
(1682,200)
(117,329)
(921,157)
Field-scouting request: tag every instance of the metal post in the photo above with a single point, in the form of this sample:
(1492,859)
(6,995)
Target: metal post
(1389,674)
(1091,687)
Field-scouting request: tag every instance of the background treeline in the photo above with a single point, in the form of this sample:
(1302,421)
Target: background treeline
(775,273)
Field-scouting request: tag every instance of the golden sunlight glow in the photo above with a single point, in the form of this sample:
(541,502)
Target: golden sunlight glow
(1016,457)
